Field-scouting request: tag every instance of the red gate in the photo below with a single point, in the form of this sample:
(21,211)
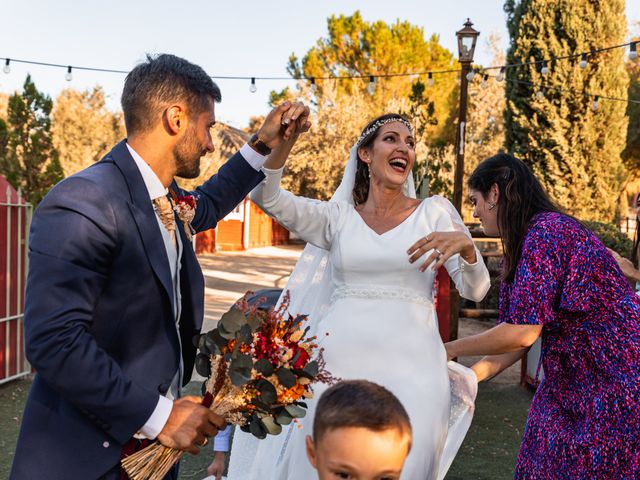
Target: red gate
(15,217)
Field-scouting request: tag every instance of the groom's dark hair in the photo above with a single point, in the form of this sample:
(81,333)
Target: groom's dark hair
(159,81)
(359,403)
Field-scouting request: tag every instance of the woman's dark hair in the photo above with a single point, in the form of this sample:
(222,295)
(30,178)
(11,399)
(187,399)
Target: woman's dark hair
(361,184)
(636,236)
(159,81)
(521,197)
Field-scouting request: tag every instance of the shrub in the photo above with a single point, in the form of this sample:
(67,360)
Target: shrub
(612,237)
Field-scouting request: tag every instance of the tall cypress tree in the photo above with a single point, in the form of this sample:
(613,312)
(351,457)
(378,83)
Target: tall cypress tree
(574,149)
(28,158)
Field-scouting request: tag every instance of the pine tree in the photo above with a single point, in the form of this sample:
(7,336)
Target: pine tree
(574,149)
(28,159)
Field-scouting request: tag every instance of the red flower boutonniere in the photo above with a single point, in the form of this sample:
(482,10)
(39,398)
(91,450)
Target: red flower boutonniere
(185,208)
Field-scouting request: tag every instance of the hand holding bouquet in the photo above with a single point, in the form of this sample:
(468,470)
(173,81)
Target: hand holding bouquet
(259,370)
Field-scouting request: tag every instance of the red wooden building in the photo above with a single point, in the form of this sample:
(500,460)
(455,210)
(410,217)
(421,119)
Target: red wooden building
(246,227)
(15,216)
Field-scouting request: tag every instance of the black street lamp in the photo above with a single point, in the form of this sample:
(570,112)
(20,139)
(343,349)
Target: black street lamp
(467,38)
(466,46)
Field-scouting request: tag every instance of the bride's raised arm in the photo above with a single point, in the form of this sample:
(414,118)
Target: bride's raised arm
(314,221)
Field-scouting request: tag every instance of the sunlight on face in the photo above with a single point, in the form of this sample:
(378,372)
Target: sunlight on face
(356,453)
(392,154)
(195,143)
(483,210)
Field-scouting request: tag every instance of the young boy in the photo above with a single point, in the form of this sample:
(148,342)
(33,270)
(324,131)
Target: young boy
(361,431)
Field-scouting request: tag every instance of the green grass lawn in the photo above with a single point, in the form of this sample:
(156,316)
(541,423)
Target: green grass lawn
(490,449)
(488,453)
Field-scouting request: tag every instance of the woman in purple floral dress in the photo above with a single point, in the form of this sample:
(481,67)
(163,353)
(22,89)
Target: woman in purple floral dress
(561,283)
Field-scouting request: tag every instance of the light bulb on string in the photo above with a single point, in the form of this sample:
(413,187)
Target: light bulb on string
(500,76)
(540,94)
(68,76)
(485,81)
(633,54)
(430,80)
(252,87)
(313,87)
(371,88)
(7,67)
(470,75)
(545,69)
(595,105)
(583,61)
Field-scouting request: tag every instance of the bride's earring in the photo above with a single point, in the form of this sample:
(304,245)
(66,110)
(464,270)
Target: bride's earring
(492,205)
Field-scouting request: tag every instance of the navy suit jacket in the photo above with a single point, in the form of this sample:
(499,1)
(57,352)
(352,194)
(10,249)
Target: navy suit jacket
(99,325)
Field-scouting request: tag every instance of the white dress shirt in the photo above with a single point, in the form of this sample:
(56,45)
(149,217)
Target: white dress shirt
(156,189)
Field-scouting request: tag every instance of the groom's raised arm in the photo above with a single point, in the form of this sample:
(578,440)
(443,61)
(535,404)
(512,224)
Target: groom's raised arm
(242,173)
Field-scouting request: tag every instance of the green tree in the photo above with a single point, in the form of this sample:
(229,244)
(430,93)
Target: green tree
(631,154)
(485,133)
(28,159)
(341,108)
(433,169)
(83,128)
(574,150)
(4,103)
(355,47)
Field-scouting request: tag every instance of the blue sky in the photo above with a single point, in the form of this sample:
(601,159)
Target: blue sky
(243,38)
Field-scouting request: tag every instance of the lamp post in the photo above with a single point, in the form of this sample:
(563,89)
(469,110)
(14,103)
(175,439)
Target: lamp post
(466,46)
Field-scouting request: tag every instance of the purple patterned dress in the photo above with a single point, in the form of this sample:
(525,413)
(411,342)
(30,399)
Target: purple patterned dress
(584,421)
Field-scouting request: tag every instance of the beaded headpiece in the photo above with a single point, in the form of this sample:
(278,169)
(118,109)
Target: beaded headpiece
(380,123)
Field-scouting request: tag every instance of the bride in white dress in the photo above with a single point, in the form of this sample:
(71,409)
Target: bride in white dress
(357,282)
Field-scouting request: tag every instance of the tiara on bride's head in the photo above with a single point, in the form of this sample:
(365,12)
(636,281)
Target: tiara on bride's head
(380,123)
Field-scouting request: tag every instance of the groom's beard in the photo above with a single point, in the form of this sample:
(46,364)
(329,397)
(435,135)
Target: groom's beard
(187,154)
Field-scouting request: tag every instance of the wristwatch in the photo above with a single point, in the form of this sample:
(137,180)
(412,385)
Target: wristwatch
(258,145)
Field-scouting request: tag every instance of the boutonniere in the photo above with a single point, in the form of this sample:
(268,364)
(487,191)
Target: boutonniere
(185,208)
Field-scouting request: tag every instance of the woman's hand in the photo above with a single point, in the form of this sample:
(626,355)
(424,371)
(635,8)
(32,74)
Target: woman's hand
(282,122)
(443,245)
(626,266)
(295,121)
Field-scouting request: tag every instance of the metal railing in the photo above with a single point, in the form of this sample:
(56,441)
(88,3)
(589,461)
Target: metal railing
(628,225)
(13,257)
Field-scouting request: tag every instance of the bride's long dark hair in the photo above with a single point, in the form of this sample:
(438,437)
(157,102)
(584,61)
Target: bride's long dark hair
(521,197)
(361,184)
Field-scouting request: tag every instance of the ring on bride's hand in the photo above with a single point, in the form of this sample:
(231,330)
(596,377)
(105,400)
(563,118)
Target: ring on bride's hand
(204,443)
(438,252)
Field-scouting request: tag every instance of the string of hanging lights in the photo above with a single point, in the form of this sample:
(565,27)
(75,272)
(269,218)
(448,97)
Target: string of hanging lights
(373,78)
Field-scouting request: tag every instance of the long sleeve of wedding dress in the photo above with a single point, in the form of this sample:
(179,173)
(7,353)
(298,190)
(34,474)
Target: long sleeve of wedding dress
(314,221)
(317,222)
(471,280)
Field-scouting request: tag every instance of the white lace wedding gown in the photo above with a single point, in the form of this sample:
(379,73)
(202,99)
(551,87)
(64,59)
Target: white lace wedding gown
(381,326)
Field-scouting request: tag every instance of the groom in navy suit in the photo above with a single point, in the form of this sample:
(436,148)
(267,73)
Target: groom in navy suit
(115,293)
